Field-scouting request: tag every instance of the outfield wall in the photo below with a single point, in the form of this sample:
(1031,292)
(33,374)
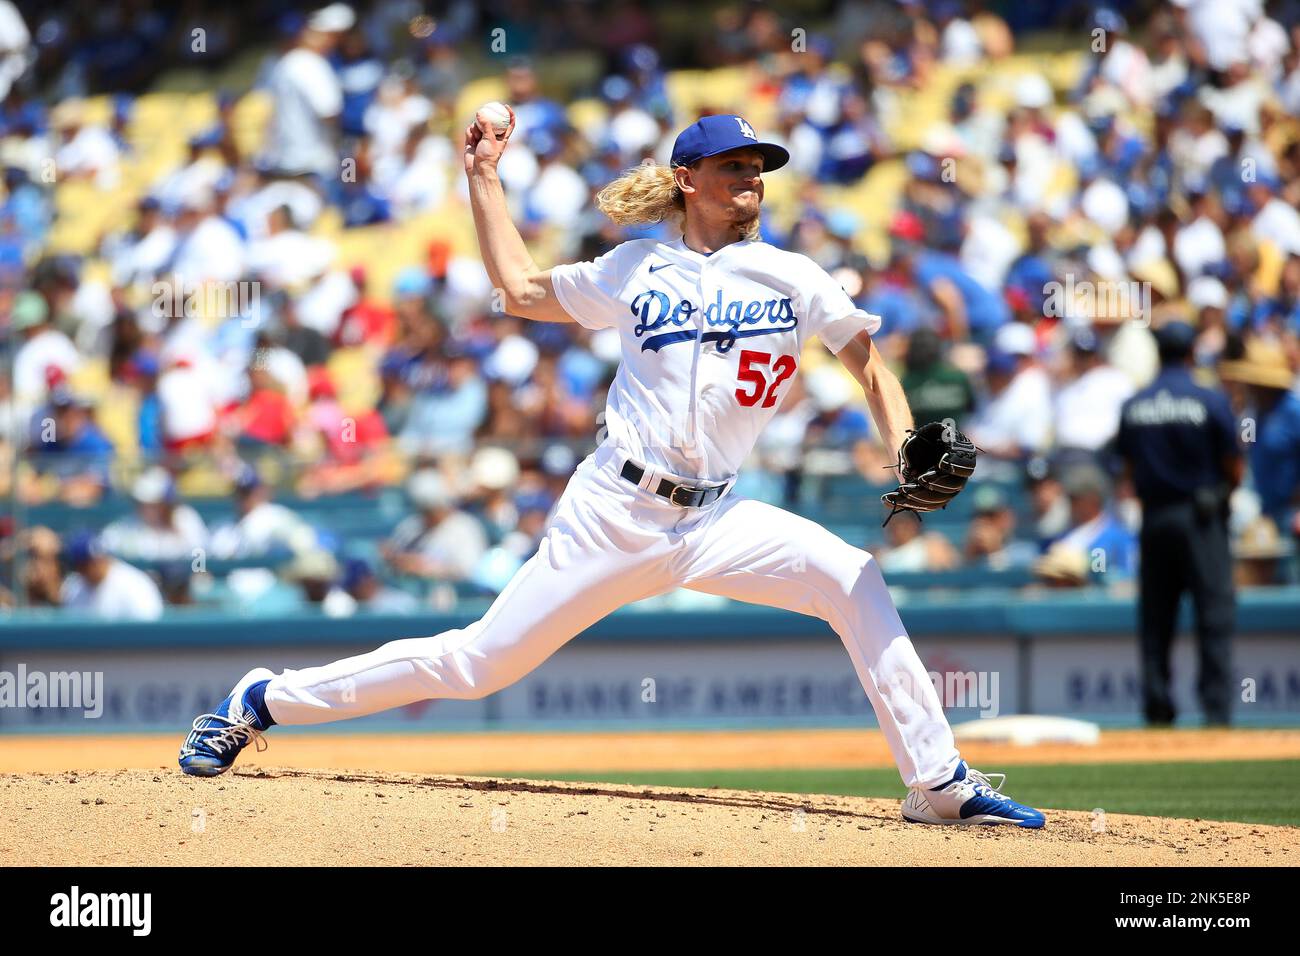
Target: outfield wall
(734,667)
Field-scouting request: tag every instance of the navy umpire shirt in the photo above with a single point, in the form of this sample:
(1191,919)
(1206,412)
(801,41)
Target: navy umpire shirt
(1176,436)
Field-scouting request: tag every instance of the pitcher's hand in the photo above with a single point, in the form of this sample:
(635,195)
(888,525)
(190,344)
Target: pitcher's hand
(484,145)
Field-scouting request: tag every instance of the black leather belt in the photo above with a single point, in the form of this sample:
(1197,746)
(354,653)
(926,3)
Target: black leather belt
(685,496)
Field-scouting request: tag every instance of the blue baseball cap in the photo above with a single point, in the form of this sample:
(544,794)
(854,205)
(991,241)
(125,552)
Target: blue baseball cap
(1000,363)
(144,363)
(356,570)
(616,89)
(1104,18)
(80,547)
(533,501)
(207,139)
(413,281)
(711,135)
(922,165)
(246,479)
(1084,339)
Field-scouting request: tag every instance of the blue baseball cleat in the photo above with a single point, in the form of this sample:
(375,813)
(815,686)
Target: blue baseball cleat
(969,798)
(217,738)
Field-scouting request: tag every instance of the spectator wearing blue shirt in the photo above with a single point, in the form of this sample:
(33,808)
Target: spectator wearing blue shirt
(360,73)
(73,447)
(1226,173)
(149,422)
(854,144)
(837,422)
(1095,530)
(974,309)
(1179,441)
(1119,152)
(533,113)
(220,135)
(27,209)
(443,421)
(896,295)
(1282,310)
(123,108)
(1275,408)
(361,204)
(900,306)
(1032,270)
(641,66)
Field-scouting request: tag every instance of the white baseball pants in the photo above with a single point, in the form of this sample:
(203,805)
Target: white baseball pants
(611,543)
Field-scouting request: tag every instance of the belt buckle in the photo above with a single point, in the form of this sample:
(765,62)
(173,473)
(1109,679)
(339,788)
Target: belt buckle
(690,496)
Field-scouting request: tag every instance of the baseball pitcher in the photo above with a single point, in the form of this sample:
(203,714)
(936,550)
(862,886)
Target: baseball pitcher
(712,326)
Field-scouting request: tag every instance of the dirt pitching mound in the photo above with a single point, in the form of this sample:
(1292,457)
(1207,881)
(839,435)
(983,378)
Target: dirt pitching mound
(339,818)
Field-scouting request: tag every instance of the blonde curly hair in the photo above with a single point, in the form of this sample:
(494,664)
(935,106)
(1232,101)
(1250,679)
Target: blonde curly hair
(648,194)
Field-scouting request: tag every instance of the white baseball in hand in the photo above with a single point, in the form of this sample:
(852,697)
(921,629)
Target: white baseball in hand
(497,114)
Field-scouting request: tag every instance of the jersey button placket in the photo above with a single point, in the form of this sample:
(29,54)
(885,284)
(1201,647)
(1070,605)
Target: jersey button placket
(693,433)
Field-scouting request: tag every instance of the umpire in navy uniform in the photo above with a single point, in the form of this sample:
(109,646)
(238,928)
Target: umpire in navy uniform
(1179,442)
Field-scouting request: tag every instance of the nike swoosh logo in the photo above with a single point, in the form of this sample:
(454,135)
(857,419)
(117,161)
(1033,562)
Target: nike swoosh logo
(662,265)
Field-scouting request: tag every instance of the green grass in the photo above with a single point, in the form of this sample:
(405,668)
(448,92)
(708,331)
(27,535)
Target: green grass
(1257,791)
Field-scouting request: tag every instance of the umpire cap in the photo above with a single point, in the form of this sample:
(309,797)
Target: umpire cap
(1175,340)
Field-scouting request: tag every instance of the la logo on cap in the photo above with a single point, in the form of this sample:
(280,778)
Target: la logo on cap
(746,129)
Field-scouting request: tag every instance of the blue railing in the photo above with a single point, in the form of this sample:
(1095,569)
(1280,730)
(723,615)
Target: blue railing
(1000,613)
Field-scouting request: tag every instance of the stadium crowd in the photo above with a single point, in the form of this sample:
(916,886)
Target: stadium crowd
(1040,233)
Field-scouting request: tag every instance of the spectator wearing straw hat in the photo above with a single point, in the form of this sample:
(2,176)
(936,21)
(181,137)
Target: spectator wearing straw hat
(317,574)
(1062,567)
(493,473)
(1275,408)
(1179,441)
(1258,552)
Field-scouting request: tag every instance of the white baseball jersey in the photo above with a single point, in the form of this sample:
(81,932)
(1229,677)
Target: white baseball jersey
(710,343)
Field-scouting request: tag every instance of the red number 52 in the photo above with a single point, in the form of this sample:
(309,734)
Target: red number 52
(749,372)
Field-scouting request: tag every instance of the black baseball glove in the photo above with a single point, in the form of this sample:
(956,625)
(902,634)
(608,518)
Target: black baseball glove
(934,465)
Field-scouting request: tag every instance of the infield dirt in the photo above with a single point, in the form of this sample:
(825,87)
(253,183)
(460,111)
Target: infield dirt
(393,800)
(285,817)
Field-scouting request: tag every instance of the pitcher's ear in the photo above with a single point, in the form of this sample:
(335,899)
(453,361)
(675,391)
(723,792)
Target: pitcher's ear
(682,176)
